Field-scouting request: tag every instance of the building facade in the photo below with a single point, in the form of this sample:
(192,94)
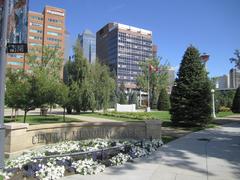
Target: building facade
(222,82)
(154,50)
(88,44)
(234,76)
(123,48)
(44,29)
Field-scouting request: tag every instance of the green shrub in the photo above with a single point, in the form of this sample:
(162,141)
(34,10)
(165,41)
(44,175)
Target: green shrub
(224,109)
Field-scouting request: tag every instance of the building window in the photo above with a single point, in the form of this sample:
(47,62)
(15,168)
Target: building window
(35,37)
(18,56)
(34,44)
(15,63)
(35,24)
(36,31)
(55,21)
(37,18)
(54,40)
(54,46)
(54,27)
(54,33)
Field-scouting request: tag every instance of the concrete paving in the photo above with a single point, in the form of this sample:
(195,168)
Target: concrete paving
(212,154)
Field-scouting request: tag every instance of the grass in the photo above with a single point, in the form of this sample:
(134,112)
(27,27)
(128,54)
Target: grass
(1,178)
(130,116)
(167,139)
(37,119)
(224,114)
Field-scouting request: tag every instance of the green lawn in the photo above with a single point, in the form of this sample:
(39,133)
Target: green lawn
(224,114)
(36,119)
(131,116)
(1,178)
(167,139)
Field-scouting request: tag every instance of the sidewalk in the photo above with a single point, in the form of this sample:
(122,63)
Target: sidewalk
(212,154)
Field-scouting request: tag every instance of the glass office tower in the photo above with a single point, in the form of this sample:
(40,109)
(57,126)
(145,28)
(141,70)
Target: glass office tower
(88,43)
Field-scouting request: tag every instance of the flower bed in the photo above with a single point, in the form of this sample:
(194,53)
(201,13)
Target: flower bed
(81,157)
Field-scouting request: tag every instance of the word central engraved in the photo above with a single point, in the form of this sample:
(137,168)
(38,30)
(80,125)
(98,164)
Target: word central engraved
(83,133)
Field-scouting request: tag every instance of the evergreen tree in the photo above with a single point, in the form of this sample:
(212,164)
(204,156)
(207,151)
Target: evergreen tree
(122,94)
(191,94)
(236,102)
(163,100)
(133,99)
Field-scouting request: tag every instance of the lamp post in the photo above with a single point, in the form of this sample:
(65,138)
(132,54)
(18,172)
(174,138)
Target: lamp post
(148,108)
(3,55)
(213,103)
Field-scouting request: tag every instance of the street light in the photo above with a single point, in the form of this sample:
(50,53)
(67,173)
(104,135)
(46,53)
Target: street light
(213,104)
(3,56)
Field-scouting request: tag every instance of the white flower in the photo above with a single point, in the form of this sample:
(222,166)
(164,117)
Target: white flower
(119,159)
(88,166)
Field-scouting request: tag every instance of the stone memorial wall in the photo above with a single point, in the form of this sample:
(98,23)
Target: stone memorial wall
(21,136)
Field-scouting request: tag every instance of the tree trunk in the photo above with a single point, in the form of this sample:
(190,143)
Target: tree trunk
(15,114)
(12,115)
(25,115)
(64,113)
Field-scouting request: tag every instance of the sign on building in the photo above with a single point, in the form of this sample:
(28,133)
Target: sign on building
(17,26)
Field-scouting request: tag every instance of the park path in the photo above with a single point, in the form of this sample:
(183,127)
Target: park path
(211,154)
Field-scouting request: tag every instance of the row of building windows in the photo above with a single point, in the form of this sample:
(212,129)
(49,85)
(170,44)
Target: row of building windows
(55,20)
(36,31)
(54,40)
(15,63)
(18,56)
(54,46)
(35,44)
(35,37)
(54,27)
(54,33)
(35,24)
(37,18)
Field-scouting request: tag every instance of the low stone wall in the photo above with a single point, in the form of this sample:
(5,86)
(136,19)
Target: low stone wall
(125,107)
(20,137)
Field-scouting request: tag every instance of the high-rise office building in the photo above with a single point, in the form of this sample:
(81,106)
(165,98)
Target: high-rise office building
(44,29)
(222,82)
(154,51)
(170,72)
(66,46)
(88,43)
(124,48)
(234,76)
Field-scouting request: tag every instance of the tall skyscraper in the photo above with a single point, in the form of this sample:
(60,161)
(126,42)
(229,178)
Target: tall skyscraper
(88,43)
(124,48)
(44,29)
(234,76)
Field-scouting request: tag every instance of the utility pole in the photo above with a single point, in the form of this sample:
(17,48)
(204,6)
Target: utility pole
(3,58)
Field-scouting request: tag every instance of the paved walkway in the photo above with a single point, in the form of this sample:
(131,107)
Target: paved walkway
(212,154)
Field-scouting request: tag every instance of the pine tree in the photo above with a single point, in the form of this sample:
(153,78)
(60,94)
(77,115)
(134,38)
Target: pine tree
(122,94)
(133,99)
(191,94)
(236,102)
(163,100)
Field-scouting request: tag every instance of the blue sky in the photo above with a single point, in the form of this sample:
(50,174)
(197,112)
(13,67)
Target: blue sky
(210,25)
